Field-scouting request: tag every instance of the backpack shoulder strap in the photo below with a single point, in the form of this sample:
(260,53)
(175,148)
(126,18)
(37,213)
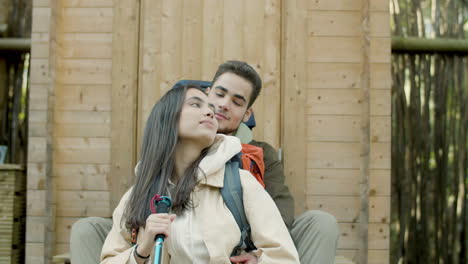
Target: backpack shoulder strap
(233,198)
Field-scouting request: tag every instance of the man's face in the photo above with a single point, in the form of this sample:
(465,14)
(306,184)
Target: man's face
(230,94)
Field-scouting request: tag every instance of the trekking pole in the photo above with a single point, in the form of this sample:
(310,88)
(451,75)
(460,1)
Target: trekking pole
(163,204)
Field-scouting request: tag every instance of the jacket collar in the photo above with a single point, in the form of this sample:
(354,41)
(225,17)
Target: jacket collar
(212,166)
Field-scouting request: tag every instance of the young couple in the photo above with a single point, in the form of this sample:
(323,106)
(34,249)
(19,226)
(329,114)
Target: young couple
(182,156)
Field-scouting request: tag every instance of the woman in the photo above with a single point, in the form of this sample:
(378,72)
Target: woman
(182,157)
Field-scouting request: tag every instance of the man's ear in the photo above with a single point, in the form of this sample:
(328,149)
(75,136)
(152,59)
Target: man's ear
(207,90)
(247,114)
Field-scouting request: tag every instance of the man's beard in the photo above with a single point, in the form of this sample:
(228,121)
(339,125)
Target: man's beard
(226,131)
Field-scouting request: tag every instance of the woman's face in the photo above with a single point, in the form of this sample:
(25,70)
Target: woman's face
(197,122)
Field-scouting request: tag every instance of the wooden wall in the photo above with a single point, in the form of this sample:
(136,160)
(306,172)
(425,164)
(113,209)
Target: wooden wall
(327,71)
(98,67)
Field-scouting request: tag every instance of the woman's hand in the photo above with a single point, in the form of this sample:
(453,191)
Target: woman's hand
(155,224)
(245,258)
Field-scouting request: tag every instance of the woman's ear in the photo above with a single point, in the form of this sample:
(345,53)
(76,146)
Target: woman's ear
(247,114)
(207,90)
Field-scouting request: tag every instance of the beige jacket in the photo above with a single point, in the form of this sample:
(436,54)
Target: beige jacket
(214,220)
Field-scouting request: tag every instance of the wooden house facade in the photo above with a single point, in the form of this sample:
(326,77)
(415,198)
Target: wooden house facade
(98,67)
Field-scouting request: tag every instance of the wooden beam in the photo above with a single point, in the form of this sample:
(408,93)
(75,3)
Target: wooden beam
(363,239)
(294,43)
(125,43)
(423,45)
(15,44)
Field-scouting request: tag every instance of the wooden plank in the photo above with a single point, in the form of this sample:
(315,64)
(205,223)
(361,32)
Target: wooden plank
(37,116)
(87,45)
(380,50)
(346,182)
(41,3)
(84,97)
(40,19)
(345,102)
(364,216)
(83,117)
(64,225)
(88,3)
(36,176)
(380,155)
(91,177)
(381,77)
(348,5)
(38,97)
(149,75)
(334,49)
(85,71)
(380,129)
(233,37)
(40,45)
(333,128)
(378,236)
(212,48)
(171,44)
(334,23)
(36,203)
(82,150)
(269,102)
(87,20)
(375,256)
(191,39)
(322,155)
(294,47)
(37,130)
(379,5)
(83,130)
(39,71)
(36,149)
(380,23)
(83,203)
(345,155)
(124,96)
(34,253)
(35,226)
(333,75)
(380,102)
(346,23)
(346,208)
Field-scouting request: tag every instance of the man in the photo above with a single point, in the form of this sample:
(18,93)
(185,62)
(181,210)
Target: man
(234,89)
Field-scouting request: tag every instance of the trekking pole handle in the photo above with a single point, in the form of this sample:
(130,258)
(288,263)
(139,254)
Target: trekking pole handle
(163,205)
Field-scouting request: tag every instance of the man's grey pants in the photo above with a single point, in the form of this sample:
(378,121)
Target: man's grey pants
(315,234)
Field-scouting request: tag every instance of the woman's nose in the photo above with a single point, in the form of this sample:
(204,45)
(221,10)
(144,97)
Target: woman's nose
(209,112)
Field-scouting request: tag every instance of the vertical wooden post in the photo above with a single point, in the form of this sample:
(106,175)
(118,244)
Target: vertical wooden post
(51,185)
(293,96)
(365,135)
(124,96)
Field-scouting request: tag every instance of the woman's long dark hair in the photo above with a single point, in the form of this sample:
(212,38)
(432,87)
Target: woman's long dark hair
(157,161)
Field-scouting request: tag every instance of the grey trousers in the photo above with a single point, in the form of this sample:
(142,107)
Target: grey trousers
(315,234)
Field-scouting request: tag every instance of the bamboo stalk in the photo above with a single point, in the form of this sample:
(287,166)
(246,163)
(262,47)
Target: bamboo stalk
(423,45)
(15,44)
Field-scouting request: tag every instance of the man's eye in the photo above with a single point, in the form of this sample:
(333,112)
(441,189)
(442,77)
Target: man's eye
(220,94)
(237,103)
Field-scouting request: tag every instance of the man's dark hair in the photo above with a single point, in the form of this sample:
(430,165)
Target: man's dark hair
(245,71)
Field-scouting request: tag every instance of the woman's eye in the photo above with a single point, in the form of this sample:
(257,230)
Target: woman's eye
(195,104)
(220,94)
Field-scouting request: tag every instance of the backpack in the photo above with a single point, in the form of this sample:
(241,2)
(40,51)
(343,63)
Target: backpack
(233,198)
